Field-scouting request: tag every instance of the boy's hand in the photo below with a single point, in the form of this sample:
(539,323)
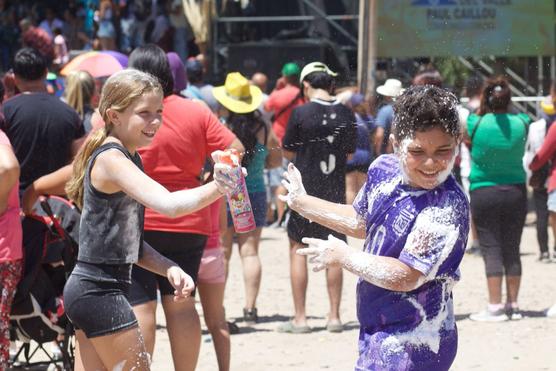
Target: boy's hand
(182,283)
(294,185)
(324,253)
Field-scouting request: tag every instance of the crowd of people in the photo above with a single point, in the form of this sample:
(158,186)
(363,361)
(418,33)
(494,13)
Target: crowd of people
(57,28)
(411,171)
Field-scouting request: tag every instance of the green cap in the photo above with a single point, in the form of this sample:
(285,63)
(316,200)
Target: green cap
(291,69)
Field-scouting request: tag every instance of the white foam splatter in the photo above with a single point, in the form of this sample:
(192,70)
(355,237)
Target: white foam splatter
(382,189)
(433,223)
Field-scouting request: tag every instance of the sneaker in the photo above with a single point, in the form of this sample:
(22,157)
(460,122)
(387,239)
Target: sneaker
(551,312)
(474,250)
(250,316)
(544,257)
(513,314)
(490,316)
(291,328)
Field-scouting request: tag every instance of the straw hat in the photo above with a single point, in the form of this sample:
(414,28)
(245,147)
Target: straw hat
(391,88)
(237,94)
(547,106)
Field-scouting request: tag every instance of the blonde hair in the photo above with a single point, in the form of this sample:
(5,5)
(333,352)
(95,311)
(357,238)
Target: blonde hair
(80,87)
(120,91)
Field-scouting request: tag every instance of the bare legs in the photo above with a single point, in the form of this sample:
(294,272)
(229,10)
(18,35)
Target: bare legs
(249,253)
(124,350)
(212,299)
(299,280)
(184,329)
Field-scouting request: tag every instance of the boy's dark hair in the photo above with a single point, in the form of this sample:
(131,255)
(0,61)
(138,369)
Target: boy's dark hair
(421,108)
(151,59)
(320,80)
(496,96)
(29,64)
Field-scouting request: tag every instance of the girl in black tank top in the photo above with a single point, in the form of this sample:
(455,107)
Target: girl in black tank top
(110,186)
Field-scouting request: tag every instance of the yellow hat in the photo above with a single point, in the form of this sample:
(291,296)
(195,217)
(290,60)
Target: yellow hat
(547,106)
(237,94)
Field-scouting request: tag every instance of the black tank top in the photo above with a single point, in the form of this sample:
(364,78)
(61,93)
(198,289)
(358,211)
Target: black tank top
(111,229)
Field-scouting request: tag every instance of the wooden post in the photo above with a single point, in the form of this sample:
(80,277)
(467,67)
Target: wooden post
(366,48)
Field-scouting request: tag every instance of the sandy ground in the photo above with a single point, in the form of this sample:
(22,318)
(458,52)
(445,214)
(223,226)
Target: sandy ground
(527,344)
(518,345)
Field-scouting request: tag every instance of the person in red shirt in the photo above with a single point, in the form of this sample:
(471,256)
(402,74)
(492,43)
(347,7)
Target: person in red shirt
(175,159)
(286,96)
(547,154)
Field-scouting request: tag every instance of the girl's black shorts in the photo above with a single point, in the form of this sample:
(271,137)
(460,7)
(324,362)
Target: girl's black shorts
(96,298)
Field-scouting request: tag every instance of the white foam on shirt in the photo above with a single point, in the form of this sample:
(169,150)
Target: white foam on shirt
(381,189)
(435,222)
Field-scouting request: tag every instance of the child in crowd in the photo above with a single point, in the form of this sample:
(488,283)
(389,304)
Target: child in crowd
(109,185)
(10,240)
(240,102)
(414,218)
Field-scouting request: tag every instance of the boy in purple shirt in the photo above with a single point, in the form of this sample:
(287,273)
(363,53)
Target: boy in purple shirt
(414,218)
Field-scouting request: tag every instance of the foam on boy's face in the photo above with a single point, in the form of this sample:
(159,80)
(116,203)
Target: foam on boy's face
(427,159)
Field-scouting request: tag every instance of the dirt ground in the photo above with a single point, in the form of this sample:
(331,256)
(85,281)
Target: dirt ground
(527,344)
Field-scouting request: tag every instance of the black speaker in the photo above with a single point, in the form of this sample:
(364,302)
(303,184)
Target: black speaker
(269,56)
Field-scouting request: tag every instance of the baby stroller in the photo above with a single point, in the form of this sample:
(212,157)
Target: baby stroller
(37,316)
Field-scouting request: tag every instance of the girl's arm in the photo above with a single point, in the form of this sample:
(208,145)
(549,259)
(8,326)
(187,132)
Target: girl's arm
(382,271)
(114,172)
(546,152)
(9,175)
(274,158)
(338,217)
(157,263)
(51,184)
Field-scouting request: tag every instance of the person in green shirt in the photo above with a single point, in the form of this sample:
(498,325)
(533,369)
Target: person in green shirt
(498,194)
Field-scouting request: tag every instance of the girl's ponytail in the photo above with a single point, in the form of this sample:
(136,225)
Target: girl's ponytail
(74,188)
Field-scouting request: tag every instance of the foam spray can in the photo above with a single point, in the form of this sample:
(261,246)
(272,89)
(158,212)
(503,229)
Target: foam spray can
(238,198)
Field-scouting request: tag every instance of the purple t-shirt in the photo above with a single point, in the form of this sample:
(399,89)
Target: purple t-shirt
(425,229)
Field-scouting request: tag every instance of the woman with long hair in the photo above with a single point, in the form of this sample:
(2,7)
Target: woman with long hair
(79,93)
(109,185)
(241,101)
(498,195)
(175,159)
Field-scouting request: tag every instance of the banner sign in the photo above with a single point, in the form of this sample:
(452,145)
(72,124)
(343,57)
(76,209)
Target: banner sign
(422,28)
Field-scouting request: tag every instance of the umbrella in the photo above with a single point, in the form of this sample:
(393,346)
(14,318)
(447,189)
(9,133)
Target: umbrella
(96,63)
(122,58)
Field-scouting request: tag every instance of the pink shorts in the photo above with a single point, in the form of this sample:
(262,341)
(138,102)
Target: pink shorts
(212,269)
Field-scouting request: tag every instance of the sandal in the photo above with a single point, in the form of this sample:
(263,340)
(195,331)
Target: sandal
(232,328)
(291,328)
(334,326)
